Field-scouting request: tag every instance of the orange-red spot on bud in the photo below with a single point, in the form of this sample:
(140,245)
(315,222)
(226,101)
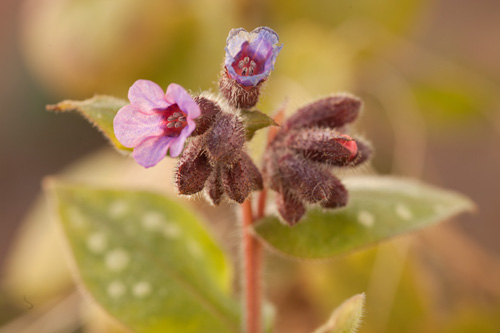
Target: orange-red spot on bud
(346,141)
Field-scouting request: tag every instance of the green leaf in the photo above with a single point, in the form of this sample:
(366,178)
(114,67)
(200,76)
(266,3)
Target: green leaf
(346,318)
(255,120)
(379,208)
(147,260)
(100,111)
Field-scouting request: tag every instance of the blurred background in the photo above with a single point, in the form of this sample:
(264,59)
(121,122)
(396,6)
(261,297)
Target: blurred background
(429,75)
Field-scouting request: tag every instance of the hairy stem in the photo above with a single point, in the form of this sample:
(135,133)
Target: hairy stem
(252,259)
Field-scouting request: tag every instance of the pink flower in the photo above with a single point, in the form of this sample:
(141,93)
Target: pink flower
(155,122)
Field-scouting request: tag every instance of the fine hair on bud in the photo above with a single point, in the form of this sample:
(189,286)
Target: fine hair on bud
(365,151)
(209,110)
(237,95)
(290,207)
(333,111)
(306,180)
(193,169)
(322,145)
(214,189)
(252,171)
(225,140)
(236,182)
(336,198)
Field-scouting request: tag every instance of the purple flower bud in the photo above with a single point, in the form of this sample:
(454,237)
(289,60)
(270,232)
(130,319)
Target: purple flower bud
(253,172)
(237,182)
(337,197)
(225,140)
(193,169)
(155,122)
(209,110)
(334,111)
(214,188)
(290,208)
(297,159)
(365,151)
(305,179)
(323,145)
(238,96)
(250,56)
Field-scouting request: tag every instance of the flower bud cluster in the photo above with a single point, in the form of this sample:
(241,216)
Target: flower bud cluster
(298,159)
(215,159)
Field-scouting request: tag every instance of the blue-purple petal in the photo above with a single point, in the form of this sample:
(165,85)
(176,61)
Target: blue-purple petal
(234,42)
(263,41)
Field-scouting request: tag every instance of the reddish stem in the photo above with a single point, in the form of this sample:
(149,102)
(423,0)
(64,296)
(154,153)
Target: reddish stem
(252,251)
(252,257)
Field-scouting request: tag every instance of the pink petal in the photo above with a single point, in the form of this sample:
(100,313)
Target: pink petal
(132,126)
(152,150)
(182,98)
(178,143)
(148,96)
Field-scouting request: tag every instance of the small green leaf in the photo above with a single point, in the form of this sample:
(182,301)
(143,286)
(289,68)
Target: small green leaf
(346,318)
(147,260)
(255,120)
(379,208)
(100,111)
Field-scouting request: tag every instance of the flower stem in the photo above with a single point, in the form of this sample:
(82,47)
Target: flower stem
(252,259)
(252,251)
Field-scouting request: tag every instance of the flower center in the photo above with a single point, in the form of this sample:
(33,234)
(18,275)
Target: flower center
(246,63)
(174,119)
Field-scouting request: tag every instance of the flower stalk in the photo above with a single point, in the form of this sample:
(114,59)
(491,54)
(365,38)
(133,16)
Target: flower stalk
(252,262)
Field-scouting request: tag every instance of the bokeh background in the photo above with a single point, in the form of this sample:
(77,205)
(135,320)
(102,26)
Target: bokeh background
(429,75)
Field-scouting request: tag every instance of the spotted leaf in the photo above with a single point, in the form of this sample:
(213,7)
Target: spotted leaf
(147,260)
(378,208)
(100,111)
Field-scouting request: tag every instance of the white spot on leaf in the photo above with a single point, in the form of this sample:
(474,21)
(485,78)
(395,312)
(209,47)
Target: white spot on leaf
(403,212)
(366,218)
(97,242)
(117,260)
(171,230)
(141,289)
(117,209)
(152,220)
(116,289)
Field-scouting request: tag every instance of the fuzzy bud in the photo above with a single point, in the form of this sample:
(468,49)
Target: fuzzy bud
(238,95)
(365,151)
(225,140)
(193,169)
(337,197)
(236,182)
(334,111)
(306,180)
(209,110)
(252,171)
(290,208)
(323,145)
(214,188)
